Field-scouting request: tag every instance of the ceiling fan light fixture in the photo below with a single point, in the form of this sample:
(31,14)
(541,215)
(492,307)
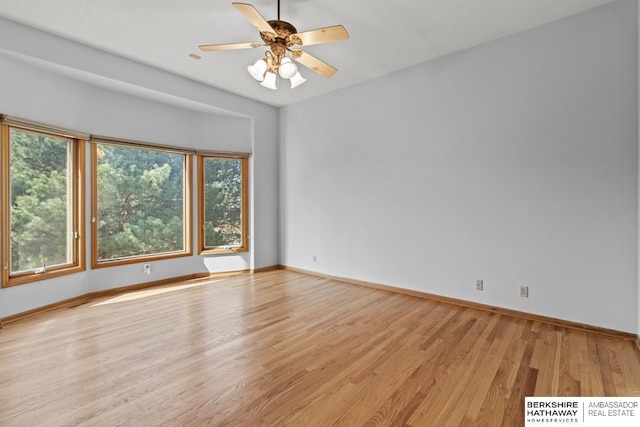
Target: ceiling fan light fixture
(287,68)
(270,81)
(258,69)
(297,80)
(282,37)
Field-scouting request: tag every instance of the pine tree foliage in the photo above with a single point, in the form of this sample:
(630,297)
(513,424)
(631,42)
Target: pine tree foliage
(140,202)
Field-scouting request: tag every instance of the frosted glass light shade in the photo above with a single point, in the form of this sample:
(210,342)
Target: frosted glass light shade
(297,80)
(269,81)
(287,68)
(258,69)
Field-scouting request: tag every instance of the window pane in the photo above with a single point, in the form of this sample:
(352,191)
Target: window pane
(41,213)
(140,202)
(222,202)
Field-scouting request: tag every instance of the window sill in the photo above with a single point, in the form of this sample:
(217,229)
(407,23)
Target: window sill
(139,259)
(222,251)
(36,277)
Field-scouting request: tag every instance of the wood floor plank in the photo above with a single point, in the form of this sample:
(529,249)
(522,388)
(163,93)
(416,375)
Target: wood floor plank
(281,348)
(450,383)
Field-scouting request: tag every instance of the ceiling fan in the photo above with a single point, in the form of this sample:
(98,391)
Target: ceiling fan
(282,37)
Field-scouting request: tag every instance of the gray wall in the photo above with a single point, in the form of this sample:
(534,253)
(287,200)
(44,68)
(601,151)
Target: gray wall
(515,162)
(61,83)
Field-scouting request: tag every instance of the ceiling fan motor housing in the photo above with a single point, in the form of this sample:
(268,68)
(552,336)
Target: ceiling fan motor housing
(282,40)
(284,32)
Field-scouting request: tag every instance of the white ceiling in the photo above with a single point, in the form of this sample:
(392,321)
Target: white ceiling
(385,36)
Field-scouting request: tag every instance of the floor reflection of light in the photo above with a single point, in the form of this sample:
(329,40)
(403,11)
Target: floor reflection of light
(131,296)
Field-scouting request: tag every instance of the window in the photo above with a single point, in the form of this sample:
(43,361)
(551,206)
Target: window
(141,203)
(42,205)
(222,204)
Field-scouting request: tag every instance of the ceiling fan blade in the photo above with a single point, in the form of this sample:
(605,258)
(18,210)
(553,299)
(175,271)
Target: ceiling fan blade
(254,17)
(322,35)
(210,47)
(313,63)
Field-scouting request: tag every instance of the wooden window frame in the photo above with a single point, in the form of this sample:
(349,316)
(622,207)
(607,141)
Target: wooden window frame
(78,264)
(244,171)
(187,204)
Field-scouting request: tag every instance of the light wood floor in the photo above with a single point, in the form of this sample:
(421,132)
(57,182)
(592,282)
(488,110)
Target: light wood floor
(282,348)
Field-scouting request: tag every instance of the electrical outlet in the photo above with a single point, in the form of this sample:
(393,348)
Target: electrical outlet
(479,285)
(315,259)
(147,269)
(524,291)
